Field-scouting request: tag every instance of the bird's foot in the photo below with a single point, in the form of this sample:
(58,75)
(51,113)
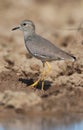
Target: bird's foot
(35,83)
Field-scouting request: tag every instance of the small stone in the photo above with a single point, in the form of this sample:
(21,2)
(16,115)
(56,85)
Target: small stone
(35,67)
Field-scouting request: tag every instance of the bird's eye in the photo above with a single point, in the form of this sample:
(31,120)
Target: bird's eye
(24,24)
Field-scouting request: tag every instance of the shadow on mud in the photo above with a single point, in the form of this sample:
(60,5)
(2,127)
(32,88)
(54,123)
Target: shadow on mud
(28,82)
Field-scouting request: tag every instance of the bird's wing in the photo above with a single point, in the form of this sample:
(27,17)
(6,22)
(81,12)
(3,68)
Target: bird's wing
(43,48)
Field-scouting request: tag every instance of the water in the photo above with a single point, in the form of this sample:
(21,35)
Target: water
(65,123)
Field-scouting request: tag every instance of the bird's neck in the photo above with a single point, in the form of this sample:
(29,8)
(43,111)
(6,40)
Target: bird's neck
(28,34)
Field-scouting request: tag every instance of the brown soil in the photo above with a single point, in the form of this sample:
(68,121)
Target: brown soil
(18,70)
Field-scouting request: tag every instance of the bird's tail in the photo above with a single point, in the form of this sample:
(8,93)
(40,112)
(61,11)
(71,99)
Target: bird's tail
(69,57)
(74,58)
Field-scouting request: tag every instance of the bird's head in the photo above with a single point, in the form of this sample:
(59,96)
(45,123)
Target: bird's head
(26,26)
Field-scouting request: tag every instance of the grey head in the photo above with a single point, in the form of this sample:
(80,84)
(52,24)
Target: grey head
(27,26)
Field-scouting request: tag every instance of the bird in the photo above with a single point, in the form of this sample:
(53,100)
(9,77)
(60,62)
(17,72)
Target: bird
(41,48)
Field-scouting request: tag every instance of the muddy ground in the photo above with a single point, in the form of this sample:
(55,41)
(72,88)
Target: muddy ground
(63,91)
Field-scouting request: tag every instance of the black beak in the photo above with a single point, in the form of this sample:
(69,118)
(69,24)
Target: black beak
(15,28)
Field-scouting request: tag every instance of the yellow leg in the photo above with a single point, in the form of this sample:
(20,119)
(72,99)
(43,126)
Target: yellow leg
(49,67)
(43,75)
(41,78)
(34,84)
(42,85)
